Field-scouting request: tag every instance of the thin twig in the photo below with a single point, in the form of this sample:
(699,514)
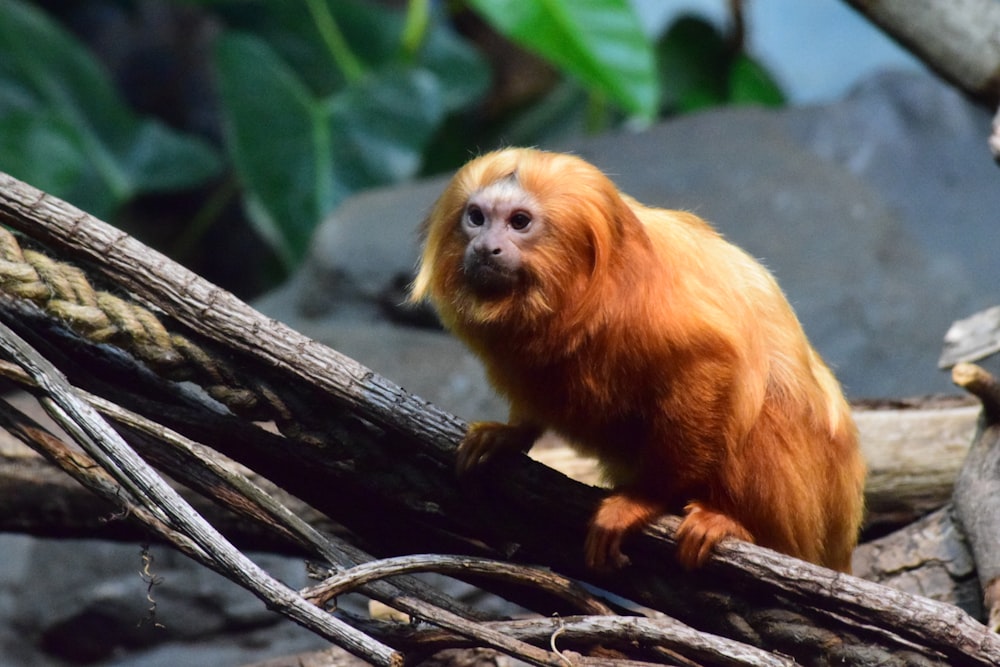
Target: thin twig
(651,638)
(90,430)
(546,580)
(390,594)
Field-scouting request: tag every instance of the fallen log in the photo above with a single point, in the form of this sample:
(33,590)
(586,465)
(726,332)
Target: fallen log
(380,461)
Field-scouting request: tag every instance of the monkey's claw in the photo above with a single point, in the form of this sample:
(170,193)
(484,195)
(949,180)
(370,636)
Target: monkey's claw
(701,530)
(486,440)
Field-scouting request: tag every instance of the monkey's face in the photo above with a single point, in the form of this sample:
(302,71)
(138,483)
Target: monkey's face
(501,223)
(519,236)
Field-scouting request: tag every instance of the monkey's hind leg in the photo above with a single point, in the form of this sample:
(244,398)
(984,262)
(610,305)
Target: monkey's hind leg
(703,528)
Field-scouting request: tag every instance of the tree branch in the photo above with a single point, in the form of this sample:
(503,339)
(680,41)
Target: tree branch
(957,39)
(977,492)
(380,462)
(164,504)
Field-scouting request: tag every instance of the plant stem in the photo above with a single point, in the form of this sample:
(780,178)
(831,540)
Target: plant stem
(415,29)
(348,63)
(597,116)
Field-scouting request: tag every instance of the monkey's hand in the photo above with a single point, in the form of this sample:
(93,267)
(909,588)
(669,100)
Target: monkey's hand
(703,528)
(618,514)
(486,440)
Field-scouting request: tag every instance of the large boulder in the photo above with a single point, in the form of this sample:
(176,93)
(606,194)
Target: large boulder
(876,213)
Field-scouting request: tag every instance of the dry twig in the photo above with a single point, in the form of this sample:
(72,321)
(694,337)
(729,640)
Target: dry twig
(380,461)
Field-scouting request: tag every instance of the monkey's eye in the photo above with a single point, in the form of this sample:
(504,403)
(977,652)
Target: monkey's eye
(475,215)
(520,220)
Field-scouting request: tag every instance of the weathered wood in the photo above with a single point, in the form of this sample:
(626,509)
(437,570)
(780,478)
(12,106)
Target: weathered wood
(576,633)
(152,492)
(929,557)
(387,472)
(977,491)
(957,39)
(972,338)
(913,453)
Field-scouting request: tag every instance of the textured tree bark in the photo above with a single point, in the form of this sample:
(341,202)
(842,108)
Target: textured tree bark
(957,39)
(380,461)
(977,492)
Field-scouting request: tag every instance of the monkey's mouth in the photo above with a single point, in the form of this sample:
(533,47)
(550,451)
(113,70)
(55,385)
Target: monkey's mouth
(490,279)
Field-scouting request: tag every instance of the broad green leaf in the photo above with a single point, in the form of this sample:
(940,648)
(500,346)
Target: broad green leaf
(463,74)
(158,159)
(298,155)
(42,149)
(598,41)
(107,154)
(381,126)
(699,69)
(275,132)
(751,83)
(373,32)
(693,60)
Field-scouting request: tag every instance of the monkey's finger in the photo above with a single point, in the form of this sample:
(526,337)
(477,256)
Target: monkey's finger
(602,550)
(473,453)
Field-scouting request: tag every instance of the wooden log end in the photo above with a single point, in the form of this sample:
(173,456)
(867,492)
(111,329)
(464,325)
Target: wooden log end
(980,383)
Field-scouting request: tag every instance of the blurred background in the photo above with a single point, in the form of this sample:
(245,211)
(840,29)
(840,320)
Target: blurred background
(223,131)
(287,150)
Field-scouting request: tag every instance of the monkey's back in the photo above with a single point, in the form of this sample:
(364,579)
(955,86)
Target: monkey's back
(793,472)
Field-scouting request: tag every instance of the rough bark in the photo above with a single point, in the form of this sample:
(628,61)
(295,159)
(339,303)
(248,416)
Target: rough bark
(957,39)
(977,491)
(380,461)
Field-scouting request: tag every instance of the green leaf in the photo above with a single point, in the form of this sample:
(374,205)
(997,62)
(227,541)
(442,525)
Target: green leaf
(106,154)
(693,61)
(274,133)
(42,149)
(374,34)
(751,83)
(380,128)
(298,155)
(598,41)
(463,74)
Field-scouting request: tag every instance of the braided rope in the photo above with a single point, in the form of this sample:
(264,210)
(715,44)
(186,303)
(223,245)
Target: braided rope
(63,292)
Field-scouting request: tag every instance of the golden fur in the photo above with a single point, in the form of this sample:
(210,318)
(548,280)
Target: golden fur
(646,339)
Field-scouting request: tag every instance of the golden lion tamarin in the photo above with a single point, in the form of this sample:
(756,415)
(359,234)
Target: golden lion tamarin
(645,339)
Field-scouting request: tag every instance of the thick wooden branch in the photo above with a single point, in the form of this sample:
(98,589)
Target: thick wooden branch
(957,39)
(38,499)
(929,557)
(977,492)
(380,461)
(151,493)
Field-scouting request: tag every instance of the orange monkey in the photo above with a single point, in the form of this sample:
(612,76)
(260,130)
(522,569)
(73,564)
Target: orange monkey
(645,339)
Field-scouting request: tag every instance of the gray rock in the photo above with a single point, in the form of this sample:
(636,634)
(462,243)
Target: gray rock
(875,213)
(84,602)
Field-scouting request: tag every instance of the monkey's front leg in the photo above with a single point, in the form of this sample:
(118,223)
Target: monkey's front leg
(486,440)
(703,528)
(618,515)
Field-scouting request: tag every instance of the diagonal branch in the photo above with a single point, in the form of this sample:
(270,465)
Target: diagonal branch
(380,460)
(115,456)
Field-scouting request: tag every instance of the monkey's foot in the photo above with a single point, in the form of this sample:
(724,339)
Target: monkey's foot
(485,440)
(701,529)
(618,515)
